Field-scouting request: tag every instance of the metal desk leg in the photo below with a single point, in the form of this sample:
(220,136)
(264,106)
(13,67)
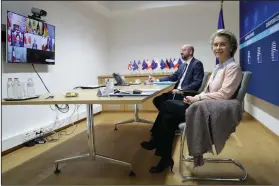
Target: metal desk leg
(136,119)
(92,155)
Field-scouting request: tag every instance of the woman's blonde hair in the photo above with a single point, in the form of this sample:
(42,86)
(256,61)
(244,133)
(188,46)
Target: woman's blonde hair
(229,35)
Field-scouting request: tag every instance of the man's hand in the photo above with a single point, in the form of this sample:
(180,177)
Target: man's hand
(176,91)
(190,99)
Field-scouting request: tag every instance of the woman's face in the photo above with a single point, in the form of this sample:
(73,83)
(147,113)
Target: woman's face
(221,48)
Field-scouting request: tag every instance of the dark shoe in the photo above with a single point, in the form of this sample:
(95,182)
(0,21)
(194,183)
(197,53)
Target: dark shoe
(162,165)
(148,145)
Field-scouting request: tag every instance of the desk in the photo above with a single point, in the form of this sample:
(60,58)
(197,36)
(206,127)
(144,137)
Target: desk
(147,106)
(89,97)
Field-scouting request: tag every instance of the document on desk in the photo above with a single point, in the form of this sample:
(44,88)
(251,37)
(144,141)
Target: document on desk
(163,83)
(130,93)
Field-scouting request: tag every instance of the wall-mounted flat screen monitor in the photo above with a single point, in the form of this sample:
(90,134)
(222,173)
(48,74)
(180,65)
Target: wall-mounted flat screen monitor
(29,41)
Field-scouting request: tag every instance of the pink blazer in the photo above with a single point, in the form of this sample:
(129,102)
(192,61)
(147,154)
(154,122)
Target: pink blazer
(225,83)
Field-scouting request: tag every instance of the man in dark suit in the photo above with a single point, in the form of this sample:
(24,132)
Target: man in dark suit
(189,76)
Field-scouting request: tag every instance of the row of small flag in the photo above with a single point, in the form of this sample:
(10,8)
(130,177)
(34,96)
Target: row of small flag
(154,64)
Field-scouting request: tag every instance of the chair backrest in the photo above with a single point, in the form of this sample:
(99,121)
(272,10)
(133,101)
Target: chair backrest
(242,90)
(204,81)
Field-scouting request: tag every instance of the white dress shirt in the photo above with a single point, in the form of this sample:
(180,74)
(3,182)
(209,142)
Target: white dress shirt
(184,74)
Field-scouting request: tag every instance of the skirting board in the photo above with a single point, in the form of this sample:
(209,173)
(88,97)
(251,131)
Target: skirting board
(16,140)
(264,112)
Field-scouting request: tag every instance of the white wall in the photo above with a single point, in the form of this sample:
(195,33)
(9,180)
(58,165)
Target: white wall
(81,55)
(159,33)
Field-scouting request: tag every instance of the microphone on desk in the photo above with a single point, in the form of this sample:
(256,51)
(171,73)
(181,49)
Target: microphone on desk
(119,91)
(136,91)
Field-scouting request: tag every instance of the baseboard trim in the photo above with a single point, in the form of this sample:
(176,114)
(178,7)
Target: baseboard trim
(264,112)
(268,130)
(46,135)
(274,135)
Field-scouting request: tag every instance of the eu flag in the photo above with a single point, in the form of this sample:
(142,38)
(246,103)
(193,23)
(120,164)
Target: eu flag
(171,64)
(153,65)
(162,64)
(179,62)
(144,65)
(221,24)
(135,66)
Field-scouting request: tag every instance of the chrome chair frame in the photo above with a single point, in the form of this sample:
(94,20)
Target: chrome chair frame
(240,97)
(210,160)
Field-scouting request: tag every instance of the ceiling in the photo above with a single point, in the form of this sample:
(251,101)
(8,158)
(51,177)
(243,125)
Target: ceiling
(113,8)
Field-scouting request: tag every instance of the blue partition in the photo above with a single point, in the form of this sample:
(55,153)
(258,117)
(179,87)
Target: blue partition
(259,45)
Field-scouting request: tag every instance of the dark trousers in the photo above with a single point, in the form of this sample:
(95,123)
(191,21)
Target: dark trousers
(159,100)
(171,114)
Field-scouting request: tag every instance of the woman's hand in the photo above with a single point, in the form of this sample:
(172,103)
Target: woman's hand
(185,100)
(190,99)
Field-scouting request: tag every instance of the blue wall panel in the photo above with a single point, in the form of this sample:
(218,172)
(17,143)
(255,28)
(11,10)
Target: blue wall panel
(259,40)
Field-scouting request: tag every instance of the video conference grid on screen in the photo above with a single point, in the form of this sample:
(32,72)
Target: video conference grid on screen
(29,41)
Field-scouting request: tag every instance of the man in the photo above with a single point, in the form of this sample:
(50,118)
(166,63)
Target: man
(189,76)
(34,46)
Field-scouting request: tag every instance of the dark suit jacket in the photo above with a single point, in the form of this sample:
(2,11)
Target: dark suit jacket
(193,78)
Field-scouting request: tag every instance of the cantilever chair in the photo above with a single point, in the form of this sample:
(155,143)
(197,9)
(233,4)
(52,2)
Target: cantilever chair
(182,126)
(195,92)
(204,81)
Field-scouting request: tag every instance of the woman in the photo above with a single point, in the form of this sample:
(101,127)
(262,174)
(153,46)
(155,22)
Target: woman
(223,83)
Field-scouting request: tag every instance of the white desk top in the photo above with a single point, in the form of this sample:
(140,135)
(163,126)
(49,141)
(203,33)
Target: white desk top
(89,96)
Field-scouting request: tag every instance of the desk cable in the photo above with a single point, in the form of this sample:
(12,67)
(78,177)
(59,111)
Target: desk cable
(61,109)
(64,109)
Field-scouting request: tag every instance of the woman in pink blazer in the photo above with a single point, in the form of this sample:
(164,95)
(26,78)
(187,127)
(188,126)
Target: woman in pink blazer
(223,83)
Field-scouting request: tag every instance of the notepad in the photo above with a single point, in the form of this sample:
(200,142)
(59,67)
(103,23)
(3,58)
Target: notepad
(21,99)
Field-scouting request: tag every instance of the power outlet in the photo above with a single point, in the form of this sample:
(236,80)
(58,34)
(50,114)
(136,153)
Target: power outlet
(38,133)
(34,134)
(27,136)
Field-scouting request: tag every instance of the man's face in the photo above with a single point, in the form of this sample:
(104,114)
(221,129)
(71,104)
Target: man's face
(185,53)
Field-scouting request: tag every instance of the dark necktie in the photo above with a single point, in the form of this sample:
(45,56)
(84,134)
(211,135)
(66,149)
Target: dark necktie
(180,79)
(183,71)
